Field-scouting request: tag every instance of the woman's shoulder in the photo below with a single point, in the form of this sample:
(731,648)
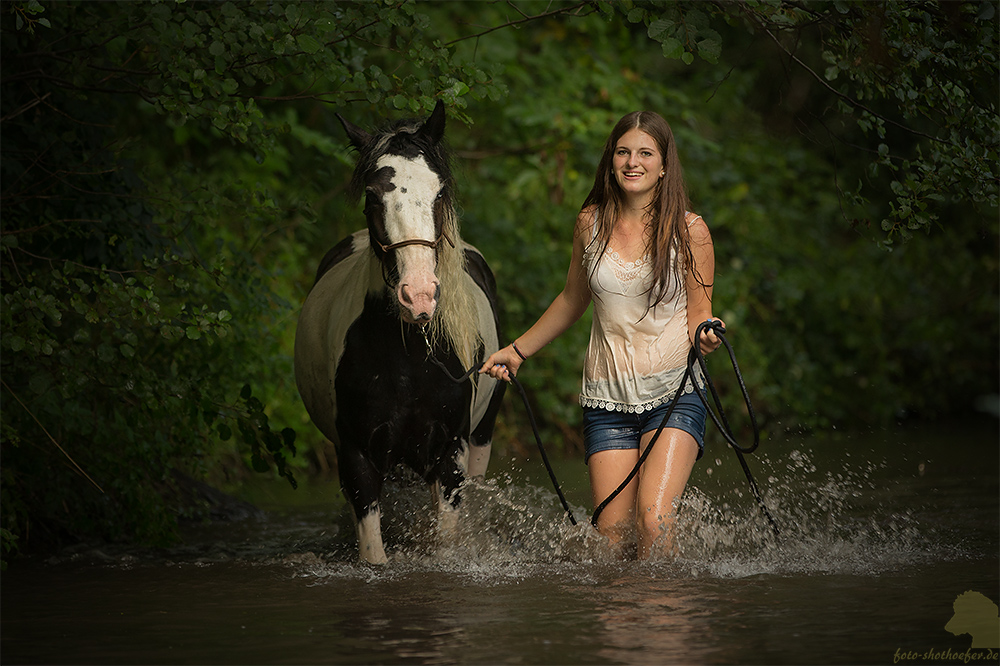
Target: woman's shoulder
(695,221)
(697,228)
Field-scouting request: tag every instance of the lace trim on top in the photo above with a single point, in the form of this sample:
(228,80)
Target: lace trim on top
(626,271)
(628,408)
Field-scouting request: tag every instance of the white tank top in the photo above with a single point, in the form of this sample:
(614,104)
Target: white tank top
(636,359)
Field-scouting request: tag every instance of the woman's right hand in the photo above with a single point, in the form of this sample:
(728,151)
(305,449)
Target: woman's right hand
(502,364)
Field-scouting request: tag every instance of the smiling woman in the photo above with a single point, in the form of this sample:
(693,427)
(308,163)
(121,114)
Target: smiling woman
(647,264)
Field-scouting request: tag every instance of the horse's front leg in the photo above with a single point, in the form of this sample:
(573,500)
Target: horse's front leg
(369,529)
(479,460)
(445,491)
(362,484)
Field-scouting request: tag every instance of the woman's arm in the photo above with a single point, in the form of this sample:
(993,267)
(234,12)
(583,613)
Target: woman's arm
(700,280)
(565,310)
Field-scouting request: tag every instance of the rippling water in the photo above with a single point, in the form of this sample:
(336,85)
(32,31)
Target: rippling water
(880,534)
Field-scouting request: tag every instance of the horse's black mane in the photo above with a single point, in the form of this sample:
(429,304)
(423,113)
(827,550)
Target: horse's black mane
(403,138)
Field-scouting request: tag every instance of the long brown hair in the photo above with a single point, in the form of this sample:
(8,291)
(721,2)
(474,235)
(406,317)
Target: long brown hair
(669,246)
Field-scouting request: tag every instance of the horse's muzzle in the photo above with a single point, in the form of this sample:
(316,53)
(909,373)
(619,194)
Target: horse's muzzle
(419,301)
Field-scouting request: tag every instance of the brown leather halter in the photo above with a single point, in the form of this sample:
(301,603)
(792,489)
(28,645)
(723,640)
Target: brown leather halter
(415,241)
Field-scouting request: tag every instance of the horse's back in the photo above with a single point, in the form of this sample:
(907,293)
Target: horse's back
(335,302)
(339,252)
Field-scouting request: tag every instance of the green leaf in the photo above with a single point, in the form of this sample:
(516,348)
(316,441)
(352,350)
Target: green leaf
(672,48)
(309,44)
(710,50)
(657,29)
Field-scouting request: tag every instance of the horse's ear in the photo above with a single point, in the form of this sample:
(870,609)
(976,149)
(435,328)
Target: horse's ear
(359,138)
(434,127)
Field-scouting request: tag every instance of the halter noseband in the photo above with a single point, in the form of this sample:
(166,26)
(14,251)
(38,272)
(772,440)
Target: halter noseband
(415,241)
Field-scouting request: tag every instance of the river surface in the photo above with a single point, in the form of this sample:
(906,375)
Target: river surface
(881,533)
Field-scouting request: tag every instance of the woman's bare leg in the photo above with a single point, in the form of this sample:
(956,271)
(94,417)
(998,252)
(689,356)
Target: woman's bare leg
(662,479)
(607,470)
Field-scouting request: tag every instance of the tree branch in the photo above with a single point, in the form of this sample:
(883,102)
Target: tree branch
(51,438)
(554,12)
(847,98)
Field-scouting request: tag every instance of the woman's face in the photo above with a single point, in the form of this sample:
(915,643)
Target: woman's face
(637,163)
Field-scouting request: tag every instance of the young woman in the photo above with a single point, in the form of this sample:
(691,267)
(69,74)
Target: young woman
(647,264)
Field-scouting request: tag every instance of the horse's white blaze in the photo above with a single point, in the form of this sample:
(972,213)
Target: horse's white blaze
(409,215)
(370,538)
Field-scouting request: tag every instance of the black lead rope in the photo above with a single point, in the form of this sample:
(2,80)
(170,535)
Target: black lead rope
(531,419)
(720,420)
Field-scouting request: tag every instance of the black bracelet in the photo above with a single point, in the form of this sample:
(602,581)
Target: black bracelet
(518,351)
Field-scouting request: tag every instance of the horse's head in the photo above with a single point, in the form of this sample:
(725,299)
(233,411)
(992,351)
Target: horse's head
(404,174)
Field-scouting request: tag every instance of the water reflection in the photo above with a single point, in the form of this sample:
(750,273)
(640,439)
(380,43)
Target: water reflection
(656,620)
(873,555)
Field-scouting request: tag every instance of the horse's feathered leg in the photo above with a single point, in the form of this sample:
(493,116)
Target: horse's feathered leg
(369,530)
(449,478)
(479,459)
(362,484)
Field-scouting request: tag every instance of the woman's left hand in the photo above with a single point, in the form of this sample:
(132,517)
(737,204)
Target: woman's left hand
(708,341)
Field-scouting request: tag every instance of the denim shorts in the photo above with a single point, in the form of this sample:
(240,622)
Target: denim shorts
(604,429)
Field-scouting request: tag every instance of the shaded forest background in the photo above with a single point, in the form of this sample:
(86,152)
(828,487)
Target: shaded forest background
(173,171)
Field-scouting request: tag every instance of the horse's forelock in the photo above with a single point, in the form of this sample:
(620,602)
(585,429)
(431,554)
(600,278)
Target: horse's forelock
(402,138)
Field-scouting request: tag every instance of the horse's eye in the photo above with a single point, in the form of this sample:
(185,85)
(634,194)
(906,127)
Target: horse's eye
(440,195)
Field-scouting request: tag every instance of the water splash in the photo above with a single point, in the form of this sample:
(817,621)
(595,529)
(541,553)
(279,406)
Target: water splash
(850,521)
(842,522)
(863,518)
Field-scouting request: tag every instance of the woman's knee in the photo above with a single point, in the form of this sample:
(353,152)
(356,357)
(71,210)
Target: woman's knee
(652,522)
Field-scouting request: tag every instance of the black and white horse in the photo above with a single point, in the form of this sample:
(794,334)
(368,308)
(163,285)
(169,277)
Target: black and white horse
(392,307)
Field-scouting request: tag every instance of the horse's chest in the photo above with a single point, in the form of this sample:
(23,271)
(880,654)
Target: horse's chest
(388,391)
